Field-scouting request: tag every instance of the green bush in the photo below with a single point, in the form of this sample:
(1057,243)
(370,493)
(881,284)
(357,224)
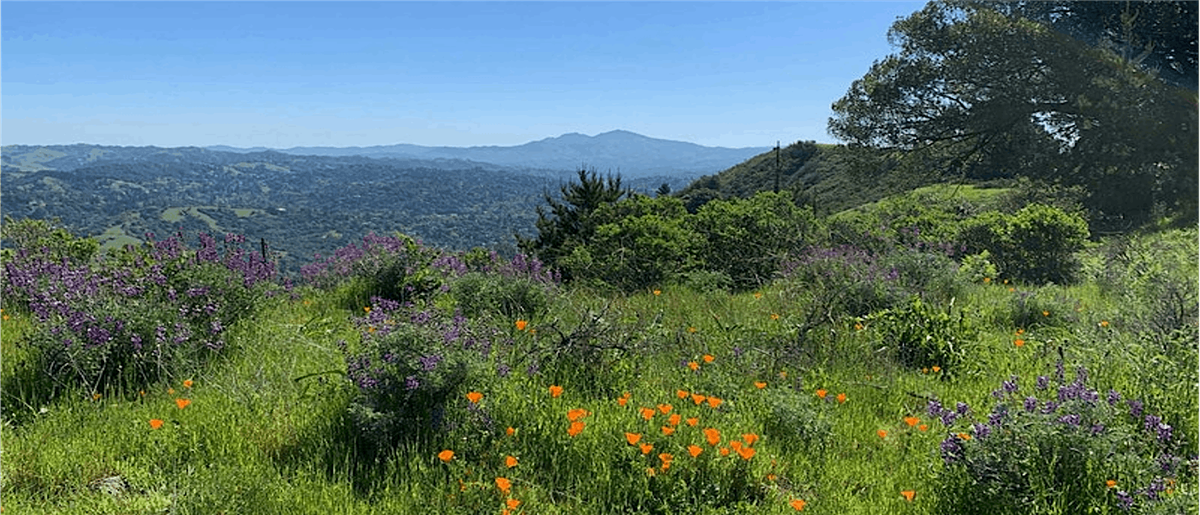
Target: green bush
(748,239)
(479,293)
(924,336)
(1036,245)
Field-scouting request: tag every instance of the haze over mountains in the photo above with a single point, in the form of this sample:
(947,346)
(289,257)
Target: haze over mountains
(632,155)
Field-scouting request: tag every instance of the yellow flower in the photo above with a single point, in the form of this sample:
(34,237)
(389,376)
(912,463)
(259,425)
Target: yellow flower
(691,329)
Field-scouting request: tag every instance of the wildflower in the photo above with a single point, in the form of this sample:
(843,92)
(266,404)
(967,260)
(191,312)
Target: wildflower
(681,394)
(986,280)
(446,456)
(695,450)
(798,504)
(512,504)
(858,327)
(911,421)
(622,400)
(693,421)
(657,292)
(182,403)
(1104,323)
(822,393)
(142,393)
(1111,483)
(576,414)
(673,419)
(510,431)
(155,423)
(187,383)
(714,402)
(712,436)
(708,358)
(510,461)
(774,316)
(922,428)
(724,451)
(633,438)
(665,408)
(645,448)
(504,485)
(555,391)
(96,397)
(1045,313)
(964,436)
(367,309)
(647,413)
(697,398)
(521,325)
(666,460)
(758,294)
(691,329)
(474,397)
(693,365)
(783,374)
(170,391)
(841,398)
(1019,342)
(760,385)
(882,434)
(668,430)
(750,438)
(924,370)
(771,477)
(746,453)
(908,494)
(576,428)
(936,369)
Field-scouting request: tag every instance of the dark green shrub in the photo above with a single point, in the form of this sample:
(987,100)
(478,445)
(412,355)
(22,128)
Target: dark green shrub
(792,418)
(748,239)
(1035,245)
(479,293)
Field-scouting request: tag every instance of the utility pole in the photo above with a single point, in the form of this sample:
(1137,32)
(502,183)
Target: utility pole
(777,166)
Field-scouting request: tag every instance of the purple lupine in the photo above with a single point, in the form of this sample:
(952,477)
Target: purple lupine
(502,370)
(1043,382)
(1135,408)
(1113,397)
(1072,419)
(429,362)
(411,383)
(981,430)
(1124,500)
(962,408)
(934,408)
(1050,407)
(951,449)
(1097,428)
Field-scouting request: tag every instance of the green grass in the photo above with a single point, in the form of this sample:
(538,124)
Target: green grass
(266,430)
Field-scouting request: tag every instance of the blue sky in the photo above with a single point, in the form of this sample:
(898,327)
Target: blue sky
(285,74)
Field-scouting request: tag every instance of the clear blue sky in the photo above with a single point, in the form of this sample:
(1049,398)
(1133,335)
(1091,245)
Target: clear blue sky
(284,74)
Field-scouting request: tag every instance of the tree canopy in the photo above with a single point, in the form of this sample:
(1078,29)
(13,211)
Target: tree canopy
(987,90)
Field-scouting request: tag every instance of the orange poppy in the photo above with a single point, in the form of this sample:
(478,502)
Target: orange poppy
(822,393)
(668,430)
(911,421)
(633,438)
(622,400)
(1110,483)
(841,398)
(760,385)
(504,485)
(666,458)
(908,494)
(665,408)
(724,451)
(673,419)
(182,403)
(1104,323)
(521,325)
(555,391)
(736,445)
(187,383)
(658,292)
(693,365)
(708,358)
(881,433)
(510,431)
(446,455)
(1019,342)
(714,402)
(964,436)
(693,421)
(474,397)
(923,427)
(746,453)
(936,369)
(645,448)
(712,436)
(576,414)
(647,413)
(1045,313)
(576,428)
(155,423)
(774,316)
(691,330)
(512,504)
(694,450)
(681,394)
(697,398)
(750,438)
(798,504)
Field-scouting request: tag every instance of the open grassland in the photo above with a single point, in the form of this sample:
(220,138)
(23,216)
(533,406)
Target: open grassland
(669,400)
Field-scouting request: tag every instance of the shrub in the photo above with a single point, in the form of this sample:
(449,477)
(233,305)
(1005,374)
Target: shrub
(126,319)
(748,239)
(1052,447)
(393,267)
(1035,245)
(924,336)
(977,267)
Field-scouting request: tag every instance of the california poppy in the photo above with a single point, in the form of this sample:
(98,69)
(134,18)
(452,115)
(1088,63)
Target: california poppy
(633,438)
(695,450)
(521,325)
(936,369)
(697,398)
(647,413)
(908,494)
(555,391)
(708,358)
(681,394)
(474,397)
(746,452)
(964,436)
(668,430)
(693,365)
(822,393)
(576,428)
(446,455)
(182,403)
(923,427)
(645,448)
(673,419)
(1019,342)
(512,503)
(510,431)
(798,504)
(714,402)
(760,385)
(665,408)
(576,414)
(693,421)
(622,400)
(510,461)
(881,433)
(750,438)
(841,398)
(504,485)
(911,421)
(187,383)
(1110,483)
(658,292)
(155,423)
(712,436)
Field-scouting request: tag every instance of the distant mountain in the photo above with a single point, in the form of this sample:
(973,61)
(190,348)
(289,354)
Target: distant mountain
(632,155)
(299,204)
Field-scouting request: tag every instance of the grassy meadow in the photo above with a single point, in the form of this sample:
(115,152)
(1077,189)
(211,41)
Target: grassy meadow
(675,399)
